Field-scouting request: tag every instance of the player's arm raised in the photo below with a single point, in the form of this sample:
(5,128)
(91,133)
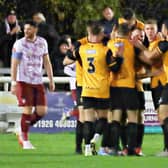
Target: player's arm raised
(71,55)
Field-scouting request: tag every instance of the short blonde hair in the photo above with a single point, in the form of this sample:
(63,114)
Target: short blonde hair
(151,21)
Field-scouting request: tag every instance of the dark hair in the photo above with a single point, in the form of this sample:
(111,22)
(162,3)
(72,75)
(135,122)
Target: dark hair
(66,36)
(95,26)
(62,40)
(106,6)
(166,23)
(124,29)
(90,23)
(128,13)
(31,23)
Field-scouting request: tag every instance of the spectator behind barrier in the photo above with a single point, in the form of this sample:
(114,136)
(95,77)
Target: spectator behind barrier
(108,20)
(59,54)
(10,31)
(46,31)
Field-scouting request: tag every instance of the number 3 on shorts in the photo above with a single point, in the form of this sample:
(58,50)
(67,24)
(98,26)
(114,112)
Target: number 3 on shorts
(91,68)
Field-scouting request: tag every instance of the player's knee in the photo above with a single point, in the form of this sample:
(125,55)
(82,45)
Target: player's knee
(132,119)
(41,111)
(27,110)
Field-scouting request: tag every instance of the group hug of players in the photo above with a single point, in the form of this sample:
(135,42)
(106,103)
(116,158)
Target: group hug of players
(110,93)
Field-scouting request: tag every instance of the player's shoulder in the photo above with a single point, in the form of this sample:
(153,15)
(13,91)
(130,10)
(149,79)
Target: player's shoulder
(83,40)
(110,42)
(117,42)
(41,39)
(19,42)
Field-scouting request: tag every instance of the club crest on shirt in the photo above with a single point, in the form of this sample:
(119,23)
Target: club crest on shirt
(23,100)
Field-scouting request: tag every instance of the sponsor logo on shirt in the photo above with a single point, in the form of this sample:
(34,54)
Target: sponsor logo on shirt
(91,51)
(118,44)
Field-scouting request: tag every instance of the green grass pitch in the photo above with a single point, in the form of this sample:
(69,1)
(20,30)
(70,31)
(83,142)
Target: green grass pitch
(57,151)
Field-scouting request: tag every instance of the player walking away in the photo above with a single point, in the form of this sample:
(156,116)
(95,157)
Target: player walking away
(29,55)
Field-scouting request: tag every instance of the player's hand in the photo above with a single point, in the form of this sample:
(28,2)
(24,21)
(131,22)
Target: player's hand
(51,86)
(13,89)
(138,44)
(160,36)
(15,30)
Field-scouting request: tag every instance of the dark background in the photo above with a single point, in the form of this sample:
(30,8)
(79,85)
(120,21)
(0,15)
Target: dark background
(70,16)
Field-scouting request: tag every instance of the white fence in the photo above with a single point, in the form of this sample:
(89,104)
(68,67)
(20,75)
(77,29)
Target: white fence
(9,113)
(6,80)
(63,79)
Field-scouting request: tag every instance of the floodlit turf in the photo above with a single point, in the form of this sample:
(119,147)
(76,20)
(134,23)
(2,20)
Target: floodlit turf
(57,151)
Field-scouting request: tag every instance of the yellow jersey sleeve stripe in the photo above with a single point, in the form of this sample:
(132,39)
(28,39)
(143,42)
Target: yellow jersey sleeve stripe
(112,64)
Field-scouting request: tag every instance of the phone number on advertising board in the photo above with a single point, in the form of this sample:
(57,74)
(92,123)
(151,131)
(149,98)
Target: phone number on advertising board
(55,124)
